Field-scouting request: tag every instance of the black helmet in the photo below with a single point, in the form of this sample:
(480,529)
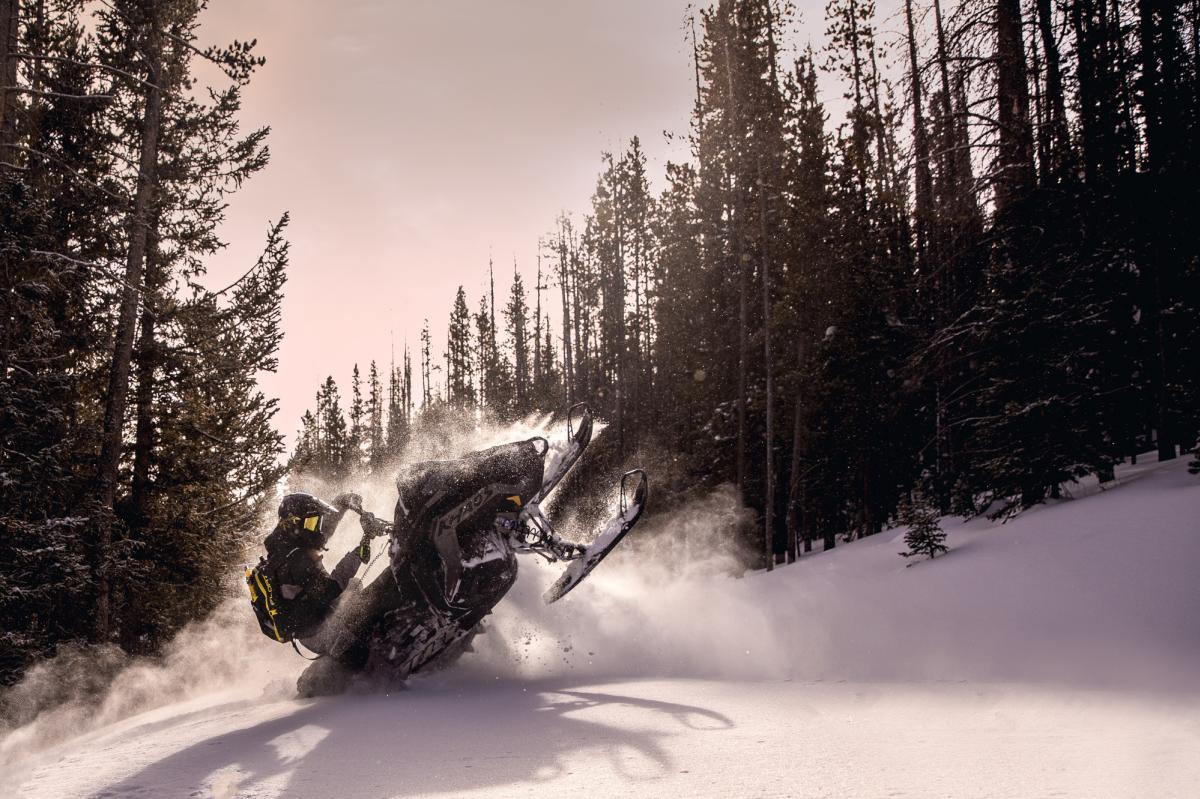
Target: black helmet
(305,511)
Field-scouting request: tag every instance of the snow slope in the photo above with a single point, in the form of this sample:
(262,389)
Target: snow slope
(1055,655)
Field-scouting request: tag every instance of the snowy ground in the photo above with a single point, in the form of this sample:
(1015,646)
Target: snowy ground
(1057,655)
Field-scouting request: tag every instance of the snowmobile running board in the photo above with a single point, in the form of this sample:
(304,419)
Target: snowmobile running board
(628,513)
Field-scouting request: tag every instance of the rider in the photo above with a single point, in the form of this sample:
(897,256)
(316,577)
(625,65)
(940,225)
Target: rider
(294,548)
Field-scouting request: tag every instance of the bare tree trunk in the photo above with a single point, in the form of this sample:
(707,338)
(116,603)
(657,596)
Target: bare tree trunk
(696,66)
(735,219)
(1128,141)
(966,202)
(493,357)
(769,524)
(1159,157)
(796,480)
(580,360)
(856,54)
(1060,142)
(635,428)
(147,362)
(924,181)
(1015,157)
(1157,35)
(9,19)
(622,355)
(568,368)
(118,382)
(1086,71)
(1041,117)
(792,520)
(885,164)
(806,527)
(537,334)
(950,159)
(10,16)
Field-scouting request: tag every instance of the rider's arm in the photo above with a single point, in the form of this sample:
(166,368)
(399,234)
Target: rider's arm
(343,503)
(346,568)
(329,524)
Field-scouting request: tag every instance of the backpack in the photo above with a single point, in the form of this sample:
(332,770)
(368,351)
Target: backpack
(272,619)
(271,608)
(279,617)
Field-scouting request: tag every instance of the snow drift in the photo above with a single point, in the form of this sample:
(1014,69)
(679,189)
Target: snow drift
(1097,592)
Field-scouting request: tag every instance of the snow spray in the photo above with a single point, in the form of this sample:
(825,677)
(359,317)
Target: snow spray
(651,609)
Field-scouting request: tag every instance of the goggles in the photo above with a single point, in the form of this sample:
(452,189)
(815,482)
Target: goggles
(310,523)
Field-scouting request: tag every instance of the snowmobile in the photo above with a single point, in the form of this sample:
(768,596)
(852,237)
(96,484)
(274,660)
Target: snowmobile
(458,528)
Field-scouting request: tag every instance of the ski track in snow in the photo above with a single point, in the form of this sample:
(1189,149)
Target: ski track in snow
(1052,656)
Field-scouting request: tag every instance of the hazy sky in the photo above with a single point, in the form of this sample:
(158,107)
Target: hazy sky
(410,139)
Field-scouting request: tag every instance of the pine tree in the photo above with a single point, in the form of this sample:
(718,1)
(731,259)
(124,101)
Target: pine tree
(680,342)
(638,247)
(333,437)
(116,177)
(1004,309)
(924,535)
(806,292)
(460,388)
(152,20)
(357,435)
(485,357)
(217,458)
(1014,161)
(305,451)
(564,245)
(55,227)
(398,413)
(376,452)
(427,367)
(516,317)
(550,396)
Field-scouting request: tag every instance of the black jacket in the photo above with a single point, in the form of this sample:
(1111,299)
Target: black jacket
(308,592)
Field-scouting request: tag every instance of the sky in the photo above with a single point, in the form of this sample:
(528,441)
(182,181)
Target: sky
(413,140)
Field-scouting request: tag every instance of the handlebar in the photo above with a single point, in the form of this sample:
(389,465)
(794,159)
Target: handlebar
(371,524)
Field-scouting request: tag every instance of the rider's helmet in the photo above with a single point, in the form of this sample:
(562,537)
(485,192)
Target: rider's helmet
(305,514)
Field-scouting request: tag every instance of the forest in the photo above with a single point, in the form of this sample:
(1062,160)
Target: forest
(136,448)
(976,286)
(974,283)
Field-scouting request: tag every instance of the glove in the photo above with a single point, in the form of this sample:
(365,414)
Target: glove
(364,549)
(372,525)
(345,502)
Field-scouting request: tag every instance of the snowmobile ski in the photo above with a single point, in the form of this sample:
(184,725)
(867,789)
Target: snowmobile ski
(627,516)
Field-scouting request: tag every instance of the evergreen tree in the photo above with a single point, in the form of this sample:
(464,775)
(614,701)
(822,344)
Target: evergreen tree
(460,388)
(819,319)
(332,435)
(427,367)
(358,432)
(376,452)
(114,175)
(549,396)
(487,378)
(516,317)
(305,452)
(924,535)
(398,413)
